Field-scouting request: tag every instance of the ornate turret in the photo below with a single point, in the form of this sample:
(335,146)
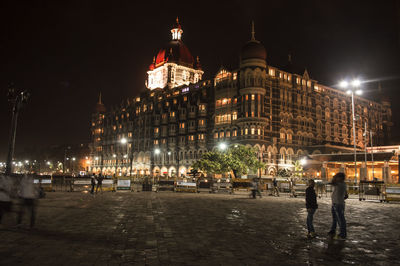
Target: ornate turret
(253,52)
(174,65)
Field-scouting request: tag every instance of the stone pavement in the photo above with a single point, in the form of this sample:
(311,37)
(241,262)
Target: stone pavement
(166,228)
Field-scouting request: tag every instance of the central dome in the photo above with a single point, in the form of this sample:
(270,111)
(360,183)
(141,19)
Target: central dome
(175,52)
(253,50)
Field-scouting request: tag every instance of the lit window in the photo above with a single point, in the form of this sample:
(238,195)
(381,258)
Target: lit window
(259,131)
(234,116)
(156,142)
(246,131)
(156,130)
(252,131)
(215,135)
(185,98)
(201,122)
(228,134)
(252,114)
(298,80)
(253,97)
(172,114)
(221,134)
(272,72)
(234,134)
(247,97)
(182,125)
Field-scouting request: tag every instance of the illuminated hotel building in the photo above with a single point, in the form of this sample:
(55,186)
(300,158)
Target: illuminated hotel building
(180,116)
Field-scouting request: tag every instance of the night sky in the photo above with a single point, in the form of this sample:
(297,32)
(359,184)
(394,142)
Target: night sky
(66,52)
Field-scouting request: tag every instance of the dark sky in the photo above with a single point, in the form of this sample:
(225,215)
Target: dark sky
(66,52)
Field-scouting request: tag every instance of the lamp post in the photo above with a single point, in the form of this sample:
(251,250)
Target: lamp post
(17,99)
(353,87)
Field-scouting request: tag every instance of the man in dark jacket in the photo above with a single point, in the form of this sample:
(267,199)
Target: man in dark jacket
(312,206)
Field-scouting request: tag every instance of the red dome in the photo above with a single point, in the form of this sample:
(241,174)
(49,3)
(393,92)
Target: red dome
(177,52)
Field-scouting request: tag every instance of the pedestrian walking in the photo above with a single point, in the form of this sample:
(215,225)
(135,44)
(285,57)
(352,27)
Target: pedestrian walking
(275,187)
(339,195)
(312,206)
(28,193)
(93,183)
(5,192)
(254,188)
(99,183)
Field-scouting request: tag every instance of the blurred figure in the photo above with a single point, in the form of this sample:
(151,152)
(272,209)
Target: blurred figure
(339,195)
(99,183)
(93,183)
(28,193)
(5,199)
(312,206)
(275,191)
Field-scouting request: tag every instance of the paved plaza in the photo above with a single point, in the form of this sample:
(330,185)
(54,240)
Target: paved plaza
(166,228)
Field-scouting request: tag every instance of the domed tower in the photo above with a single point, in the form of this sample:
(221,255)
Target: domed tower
(252,118)
(174,65)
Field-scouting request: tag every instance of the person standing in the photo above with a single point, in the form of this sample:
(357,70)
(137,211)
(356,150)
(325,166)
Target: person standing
(99,183)
(28,193)
(275,189)
(312,206)
(339,195)
(93,183)
(5,199)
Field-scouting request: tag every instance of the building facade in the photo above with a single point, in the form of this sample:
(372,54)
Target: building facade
(179,116)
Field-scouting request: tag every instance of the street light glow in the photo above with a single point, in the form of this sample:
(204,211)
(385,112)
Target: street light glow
(358,92)
(222,146)
(123,141)
(343,84)
(73,158)
(157,151)
(356,83)
(303,161)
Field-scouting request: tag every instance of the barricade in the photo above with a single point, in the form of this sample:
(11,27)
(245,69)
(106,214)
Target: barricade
(241,185)
(108,185)
(165,185)
(182,186)
(371,190)
(221,185)
(204,186)
(82,184)
(45,182)
(299,189)
(123,184)
(352,188)
(391,192)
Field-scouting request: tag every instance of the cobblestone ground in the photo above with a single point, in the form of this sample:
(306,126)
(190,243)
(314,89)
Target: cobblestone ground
(168,228)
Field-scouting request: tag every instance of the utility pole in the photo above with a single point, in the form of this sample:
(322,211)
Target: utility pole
(17,99)
(372,155)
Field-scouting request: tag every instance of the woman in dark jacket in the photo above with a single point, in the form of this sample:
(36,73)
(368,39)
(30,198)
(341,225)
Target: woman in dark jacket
(312,206)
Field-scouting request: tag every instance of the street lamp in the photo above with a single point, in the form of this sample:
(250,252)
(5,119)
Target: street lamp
(353,87)
(17,99)
(222,146)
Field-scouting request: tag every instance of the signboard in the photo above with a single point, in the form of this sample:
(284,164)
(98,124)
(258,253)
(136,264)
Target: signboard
(123,184)
(44,181)
(188,184)
(82,182)
(108,182)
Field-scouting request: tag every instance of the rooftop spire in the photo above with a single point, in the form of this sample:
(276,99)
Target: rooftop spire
(177,31)
(252,31)
(100,99)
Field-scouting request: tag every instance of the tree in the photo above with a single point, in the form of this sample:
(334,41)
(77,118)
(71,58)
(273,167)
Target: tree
(298,169)
(213,163)
(238,159)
